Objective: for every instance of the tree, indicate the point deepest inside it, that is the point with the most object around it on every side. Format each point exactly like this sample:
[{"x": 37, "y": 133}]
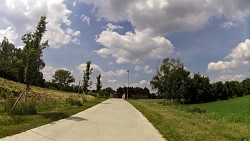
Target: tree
[
  {"x": 107, "y": 91},
  {"x": 63, "y": 77},
  {"x": 200, "y": 89},
  {"x": 9, "y": 56},
  {"x": 32, "y": 53},
  {"x": 98, "y": 83},
  {"x": 86, "y": 77},
  {"x": 246, "y": 86},
  {"x": 221, "y": 90},
  {"x": 170, "y": 79}
]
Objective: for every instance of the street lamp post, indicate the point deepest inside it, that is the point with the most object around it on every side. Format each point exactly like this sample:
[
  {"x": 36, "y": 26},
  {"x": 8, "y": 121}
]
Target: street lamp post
[{"x": 128, "y": 83}]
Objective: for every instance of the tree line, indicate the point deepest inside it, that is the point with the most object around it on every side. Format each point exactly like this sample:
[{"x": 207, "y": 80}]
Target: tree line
[
  {"x": 173, "y": 81},
  {"x": 133, "y": 92}
]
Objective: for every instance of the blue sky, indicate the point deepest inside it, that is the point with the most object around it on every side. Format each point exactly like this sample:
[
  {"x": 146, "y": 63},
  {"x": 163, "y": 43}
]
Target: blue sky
[{"x": 211, "y": 37}]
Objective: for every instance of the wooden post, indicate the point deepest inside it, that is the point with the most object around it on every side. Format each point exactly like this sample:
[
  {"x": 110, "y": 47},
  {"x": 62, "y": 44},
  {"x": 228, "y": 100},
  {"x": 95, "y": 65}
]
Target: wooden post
[{"x": 18, "y": 99}]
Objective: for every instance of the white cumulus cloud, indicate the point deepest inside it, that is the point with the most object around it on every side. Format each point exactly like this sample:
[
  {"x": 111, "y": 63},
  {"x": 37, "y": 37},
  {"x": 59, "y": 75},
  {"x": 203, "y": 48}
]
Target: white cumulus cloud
[
  {"x": 165, "y": 16},
  {"x": 239, "y": 56},
  {"x": 22, "y": 16},
  {"x": 133, "y": 47},
  {"x": 9, "y": 33}
]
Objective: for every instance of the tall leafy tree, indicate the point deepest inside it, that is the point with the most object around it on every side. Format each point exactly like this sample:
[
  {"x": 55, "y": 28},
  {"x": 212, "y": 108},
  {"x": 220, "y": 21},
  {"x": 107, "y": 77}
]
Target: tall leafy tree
[
  {"x": 200, "y": 89},
  {"x": 63, "y": 77},
  {"x": 98, "y": 83},
  {"x": 7, "y": 50},
  {"x": 32, "y": 53},
  {"x": 170, "y": 79},
  {"x": 9, "y": 56},
  {"x": 246, "y": 86},
  {"x": 86, "y": 76}
]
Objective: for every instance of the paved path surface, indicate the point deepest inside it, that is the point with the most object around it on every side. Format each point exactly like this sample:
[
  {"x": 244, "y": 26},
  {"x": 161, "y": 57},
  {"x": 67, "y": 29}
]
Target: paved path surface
[{"x": 111, "y": 120}]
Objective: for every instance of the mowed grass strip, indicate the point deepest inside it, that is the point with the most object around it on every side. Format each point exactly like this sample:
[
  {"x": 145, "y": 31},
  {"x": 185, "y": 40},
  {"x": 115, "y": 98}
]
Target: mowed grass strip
[{"x": 175, "y": 124}]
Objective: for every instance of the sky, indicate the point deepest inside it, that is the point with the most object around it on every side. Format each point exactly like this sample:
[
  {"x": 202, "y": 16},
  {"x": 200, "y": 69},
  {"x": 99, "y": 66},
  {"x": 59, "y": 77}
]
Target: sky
[{"x": 211, "y": 37}]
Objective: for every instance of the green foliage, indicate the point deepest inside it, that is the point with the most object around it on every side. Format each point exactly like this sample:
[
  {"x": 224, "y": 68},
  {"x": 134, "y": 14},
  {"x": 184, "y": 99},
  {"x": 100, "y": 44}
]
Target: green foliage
[
  {"x": 134, "y": 92},
  {"x": 106, "y": 92},
  {"x": 9, "y": 56},
  {"x": 86, "y": 76},
  {"x": 8, "y": 104},
  {"x": 195, "y": 109},
  {"x": 246, "y": 86},
  {"x": 173, "y": 82},
  {"x": 63, "y": 78},
  {"x": 171, "y": 79},
  {"x": 98, "y": 83},
  {"x": 32, "y": 53},
  {"x": 73, "y": 102}
]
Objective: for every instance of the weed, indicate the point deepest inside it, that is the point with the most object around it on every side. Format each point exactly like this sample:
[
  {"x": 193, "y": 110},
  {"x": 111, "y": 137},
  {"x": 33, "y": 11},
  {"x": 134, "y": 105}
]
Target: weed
[
  {"x": 8, "y": 104},
  {"x": 196, "y": 110},
  {"x": 84, "y": 99},
  {"x": 166, "y": 102},
  {"x": 73, "y": 102}
]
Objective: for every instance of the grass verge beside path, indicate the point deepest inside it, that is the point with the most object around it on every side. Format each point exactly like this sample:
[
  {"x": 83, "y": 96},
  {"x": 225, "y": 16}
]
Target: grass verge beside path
[
  {"x": 175, "y": 124},
  {"x": 48, "y": 111}
]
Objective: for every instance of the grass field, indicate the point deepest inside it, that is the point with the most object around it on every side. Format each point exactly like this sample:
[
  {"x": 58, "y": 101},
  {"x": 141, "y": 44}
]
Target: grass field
[
  {"x": 233, "y": 110},
  {"x": 223, "y": 120},
  {"x": 50, "y": 104}
]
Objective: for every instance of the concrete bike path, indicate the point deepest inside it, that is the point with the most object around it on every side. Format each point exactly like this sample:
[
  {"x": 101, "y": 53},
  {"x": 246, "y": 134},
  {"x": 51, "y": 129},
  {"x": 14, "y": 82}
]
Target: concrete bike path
[{"x": 111, "y": 120}]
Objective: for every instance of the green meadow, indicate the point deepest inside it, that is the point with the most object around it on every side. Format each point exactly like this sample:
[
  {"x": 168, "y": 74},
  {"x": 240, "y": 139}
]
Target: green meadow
[{"x": 221, "y": 120}]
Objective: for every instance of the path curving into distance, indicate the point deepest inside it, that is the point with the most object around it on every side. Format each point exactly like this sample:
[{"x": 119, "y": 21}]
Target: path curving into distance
[{"x": 111, "y": 120}]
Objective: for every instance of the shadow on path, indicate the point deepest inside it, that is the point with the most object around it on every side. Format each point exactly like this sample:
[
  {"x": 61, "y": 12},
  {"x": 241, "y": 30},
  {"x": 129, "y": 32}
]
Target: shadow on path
[{"x": 76, "y": 119}]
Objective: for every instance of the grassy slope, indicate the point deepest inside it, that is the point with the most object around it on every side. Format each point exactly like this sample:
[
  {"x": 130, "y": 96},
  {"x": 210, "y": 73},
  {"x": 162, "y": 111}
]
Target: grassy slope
[
  {"x": 175, "y": 123},
  {"x": 51, "y": 106}
]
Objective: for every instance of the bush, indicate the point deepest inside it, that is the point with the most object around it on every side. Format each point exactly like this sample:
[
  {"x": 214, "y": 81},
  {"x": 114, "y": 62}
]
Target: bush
[
  {"x": 196, "y": 110},
  {"x": 73, "y": 102},
  {"x": 21, "y": 108}
]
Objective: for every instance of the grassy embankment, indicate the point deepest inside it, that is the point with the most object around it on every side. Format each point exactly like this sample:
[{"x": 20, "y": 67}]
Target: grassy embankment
[
  {"x": 223, "y": 120},
  {"x": 50, "y": 104}
]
